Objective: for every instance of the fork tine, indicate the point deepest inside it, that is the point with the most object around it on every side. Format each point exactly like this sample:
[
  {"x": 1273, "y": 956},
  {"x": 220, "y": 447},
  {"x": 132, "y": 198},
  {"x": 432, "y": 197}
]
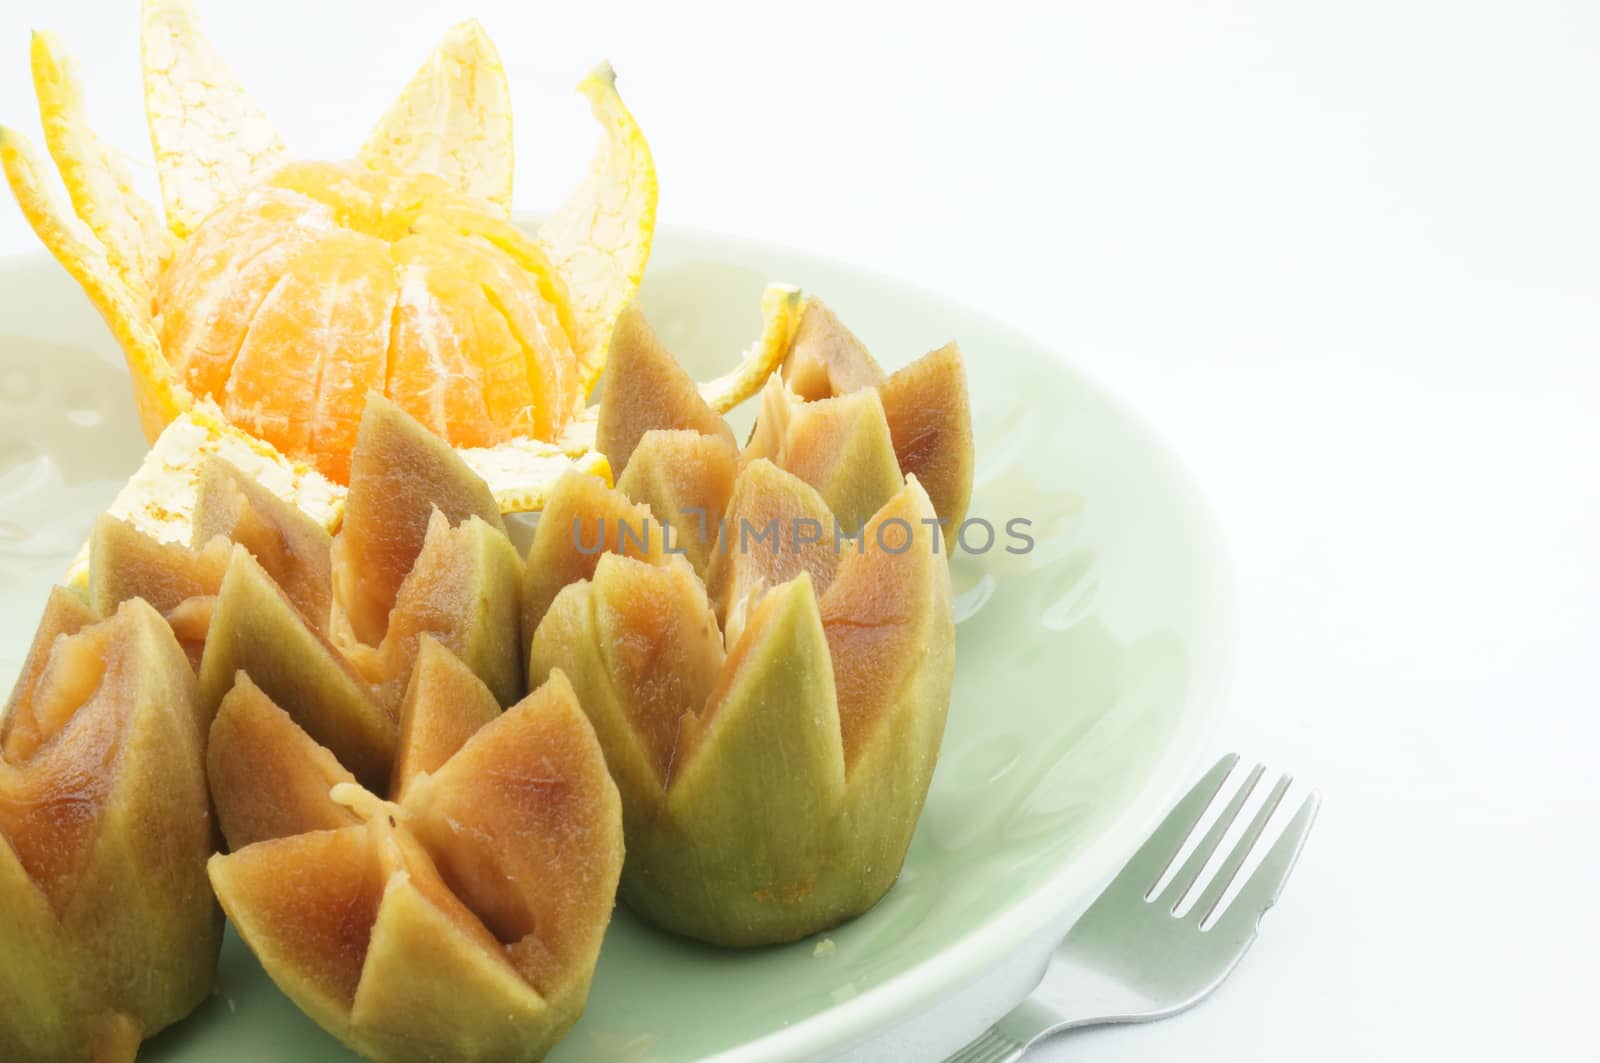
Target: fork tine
[
  {"x": 1186, "y": 878},
  {"x": 1240, "y": 918},
  {"x": 1145, "y": 868},
  {"x": 1224, "y": 877}
]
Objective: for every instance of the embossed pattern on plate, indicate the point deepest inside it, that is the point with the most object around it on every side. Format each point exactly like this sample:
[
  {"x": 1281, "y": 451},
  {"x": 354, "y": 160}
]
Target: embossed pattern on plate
[{"x": 1089, "y": 669}]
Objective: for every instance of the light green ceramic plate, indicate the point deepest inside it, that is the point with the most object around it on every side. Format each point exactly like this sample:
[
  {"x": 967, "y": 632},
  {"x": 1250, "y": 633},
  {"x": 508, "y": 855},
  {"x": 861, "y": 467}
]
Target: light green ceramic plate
[{"x": 1089, "y": 672}]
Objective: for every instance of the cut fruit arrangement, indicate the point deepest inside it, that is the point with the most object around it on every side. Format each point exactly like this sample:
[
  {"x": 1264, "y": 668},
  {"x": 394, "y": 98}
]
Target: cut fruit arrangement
[
  {"x": 330, "y": 670},
  {"x": 303, "y": 614},
  {"x": 770, "y": 701}
]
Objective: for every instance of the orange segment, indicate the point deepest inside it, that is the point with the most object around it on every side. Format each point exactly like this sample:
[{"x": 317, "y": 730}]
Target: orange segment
[
  {"x": 433, "y": 374},
  {"x": 534, "y": 328},
  {"x": 600, "y": 237},
  {"x": 330, "y": 280},
  {"x": 318, "y": 342},
  {"x": 218, "y": 280}
]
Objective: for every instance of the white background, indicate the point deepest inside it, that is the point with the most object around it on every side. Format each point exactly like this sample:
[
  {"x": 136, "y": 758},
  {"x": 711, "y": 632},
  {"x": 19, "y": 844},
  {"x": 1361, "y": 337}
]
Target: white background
[{"x": 1345, "y": 256}]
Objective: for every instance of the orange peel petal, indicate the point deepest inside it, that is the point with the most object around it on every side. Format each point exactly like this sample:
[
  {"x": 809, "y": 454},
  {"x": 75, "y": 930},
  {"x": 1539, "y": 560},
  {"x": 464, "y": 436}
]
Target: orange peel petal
[
  {"x": 211, "y": 140},
  {"x": 77, "y": 248},
  {"x": 96, "y": 176},
  {"x": 599, "y": 239},
  {"x": 453, "y": 119},
  {"x": 781, "y": 307}
]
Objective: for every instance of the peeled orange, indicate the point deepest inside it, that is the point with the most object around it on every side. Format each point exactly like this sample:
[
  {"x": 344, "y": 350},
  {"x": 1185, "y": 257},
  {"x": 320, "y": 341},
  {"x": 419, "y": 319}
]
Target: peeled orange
[{"x": 279, "y": 294}]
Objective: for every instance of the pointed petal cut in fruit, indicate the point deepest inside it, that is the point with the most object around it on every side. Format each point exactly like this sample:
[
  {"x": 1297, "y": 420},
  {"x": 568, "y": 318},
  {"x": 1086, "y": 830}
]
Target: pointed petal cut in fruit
[
  {"x": 179, "y": 582},
  {"x": 268, "y": 778},
  {"x": 524, "y": 824},
  {"x": 306, "y": 905},
  {"x": 158, "y": 395},
  {"x": 452, "y": 119},
  {"x": 599, "y": 238},
  {"x": 462, "y": 923},
  {"x": 826, "y": 359},
  {"x": 432, "y": 990},
  {"x": 776, "y": 526},
  {"x": 584, "y": 520},
  {"x": 126, "y": 563},
  {"x": 104, "y": 832},
  {"x": 258, "y": 630},
  {"x": 59, "y": 763},
  {"x": 64, "y": 614},
  {"x": 445, "y": 704},
  {"x": 750, "y": 739},
  {"x": 760, "y": 773},
  {"x": 96, "y": 175},
  {"x": 399, "y": 472},
  {"x": 891, "y": 635},
  {"x": 464, "y": 592},
  {"x": 685, "y": 478},
  {"x": 841, "y": 446},
  {"x": 781, "y": 306},
  {"x": 295, "y": 550},
  {"x": 930, "y": 418},
  {"x": 660, "y": 645},
  {"x": 211, "y": 141},
  {"x": 568, "y": 640},
  {"x": 647, "y": 389}
]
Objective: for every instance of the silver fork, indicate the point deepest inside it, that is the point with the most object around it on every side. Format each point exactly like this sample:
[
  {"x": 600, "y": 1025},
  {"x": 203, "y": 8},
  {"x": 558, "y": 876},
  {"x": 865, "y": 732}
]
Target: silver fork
[{"x": 1130, "y": 958}]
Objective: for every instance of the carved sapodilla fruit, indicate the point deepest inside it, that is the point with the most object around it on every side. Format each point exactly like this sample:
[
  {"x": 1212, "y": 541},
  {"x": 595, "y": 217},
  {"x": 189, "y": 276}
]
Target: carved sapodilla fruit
[
  {"x": 109, "y": 931},
  {"x": 461, "y": 923},
  {"x": 182, "y": 582},
  {"x": 583, "y": 520},
  {"x": 769, "y": 791},
  {"x": 832, "y": 418},
  {"x": 421, "y": 553},
  {"x": 841, "y": 446},
  {"x": 685, "y": 479},
  {"x": 925, "y": 403}
]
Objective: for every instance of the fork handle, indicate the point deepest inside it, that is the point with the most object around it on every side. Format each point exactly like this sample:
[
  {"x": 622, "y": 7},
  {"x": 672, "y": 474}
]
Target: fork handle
[
  {"x": 1068, "y": 996},
  {"x": 1030, "y": 1021},
  {"x": 1014, "y": 1034}
]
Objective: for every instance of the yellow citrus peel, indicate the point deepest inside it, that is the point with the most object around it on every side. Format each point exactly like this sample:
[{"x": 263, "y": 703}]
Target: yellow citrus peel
[
  {"x": 211, "y": 140},
  {"x": 781, "y": 306},
  {"x": 599, "y": 239},
  {"x": 77, "y": 248},
  {"x": 159, "y": 498},
  {"x": 96, "y": 176},
  {"x": 230, "y": 302},
  {"x": 453, "y": 120}
]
